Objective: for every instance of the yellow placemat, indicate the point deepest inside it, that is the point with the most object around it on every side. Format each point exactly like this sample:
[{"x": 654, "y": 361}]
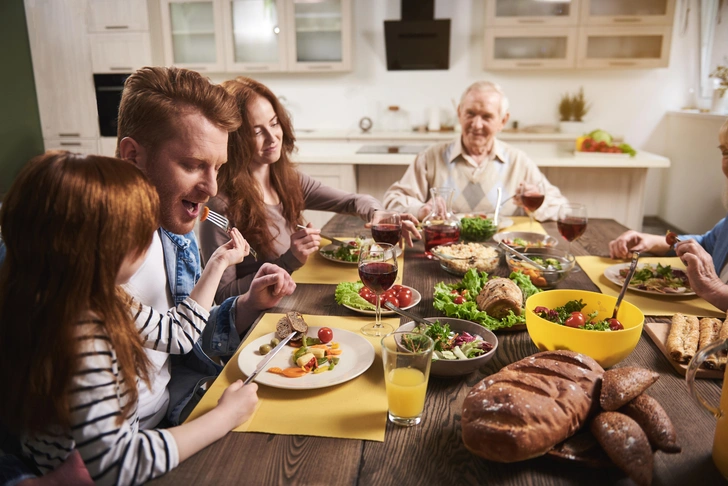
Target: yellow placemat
[
  {"x": 522, "y": 223},
  {"x": 650, "y": 305},
  {"x": 356, "y": 409},
  {"x": 319, "y": 270}
]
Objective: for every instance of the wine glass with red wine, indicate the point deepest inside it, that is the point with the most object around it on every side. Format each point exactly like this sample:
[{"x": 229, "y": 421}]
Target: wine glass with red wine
[
  {"x": 386, "y": 227},
  {"x": 377, "y": 271},
  {"x": 532, "y": 196},
  {"x": 572, "y": 221}
]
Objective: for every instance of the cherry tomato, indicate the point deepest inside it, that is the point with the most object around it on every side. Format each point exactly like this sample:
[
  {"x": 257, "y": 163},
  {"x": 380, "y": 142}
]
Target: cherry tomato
[
  {"x": 614, "y": 324},
  {"x": 405, "y": 297},
  {"x": 576, "y": 319},
  {"x": 454, "y": 291},
  {"x": 368, "y": 295},
  {"x": 325, "y": 334},
  {"x": 389, "y": 293},
  {"x": 390, "y": 298},
  {"x": 397, "y": 287},
  {"x": 459, "y": 299}
]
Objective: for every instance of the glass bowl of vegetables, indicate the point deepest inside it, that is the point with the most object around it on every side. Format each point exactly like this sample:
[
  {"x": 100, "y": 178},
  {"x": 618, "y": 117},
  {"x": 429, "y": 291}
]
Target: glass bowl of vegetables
[
  {"x": 581, "y": 321},
  {"x": 477, "y": 227},
  {"x": 461, "y": 346},
  {"x": 558, "y": 264}
]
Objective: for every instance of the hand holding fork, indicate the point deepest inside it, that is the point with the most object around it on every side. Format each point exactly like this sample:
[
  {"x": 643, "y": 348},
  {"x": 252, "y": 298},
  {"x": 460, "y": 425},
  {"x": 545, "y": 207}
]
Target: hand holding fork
[{"x": 221, "y": 222}]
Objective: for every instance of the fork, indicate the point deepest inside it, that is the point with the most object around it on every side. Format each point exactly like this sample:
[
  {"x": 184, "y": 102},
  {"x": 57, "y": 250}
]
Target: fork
[{"x": 222, "y": 222}]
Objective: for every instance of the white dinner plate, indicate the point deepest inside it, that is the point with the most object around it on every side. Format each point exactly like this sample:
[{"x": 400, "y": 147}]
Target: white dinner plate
[
  {"x": 612, "y": 274},
  {"x": 502, "y": 224},
  {"x": 356, "y": 357},
  {"x": 416, "y": 297},
  {"x": 333, "y": 247}
]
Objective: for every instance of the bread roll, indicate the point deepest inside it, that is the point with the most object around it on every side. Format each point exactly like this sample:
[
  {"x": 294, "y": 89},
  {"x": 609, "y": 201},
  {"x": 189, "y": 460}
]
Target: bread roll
[
  {"x": 653, "y": 419},
  {"x": 620, "y": 385},
  {"x": 292, "y": 321},
  {"x": 626, "y": 444},
  {"x": 530, "y": 405},
  {"x": 499, "y": 296},
  {"x": 682, "y": 341},
  {"x": 709, "y": 334}
]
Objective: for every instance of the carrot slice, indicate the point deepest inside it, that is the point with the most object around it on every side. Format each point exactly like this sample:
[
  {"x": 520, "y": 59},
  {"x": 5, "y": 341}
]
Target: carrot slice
[
  {"x": 335, "y": 352},
  {"x": 276, "y": 370},
  {"x": 204, "y": 214},
  {"x": 294, "y": 372}
]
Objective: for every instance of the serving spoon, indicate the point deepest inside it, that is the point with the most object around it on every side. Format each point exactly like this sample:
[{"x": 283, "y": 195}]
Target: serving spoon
[
  {"x": 628, "y": 278},
  {"x": 523, "y": 257},
  {"x": 406, "y": 314}
]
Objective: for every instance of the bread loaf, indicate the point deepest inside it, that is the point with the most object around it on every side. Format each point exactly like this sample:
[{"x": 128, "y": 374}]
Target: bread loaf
[
  {"x": 499, "y": 296},
  {"x": 530, "y": 405}
]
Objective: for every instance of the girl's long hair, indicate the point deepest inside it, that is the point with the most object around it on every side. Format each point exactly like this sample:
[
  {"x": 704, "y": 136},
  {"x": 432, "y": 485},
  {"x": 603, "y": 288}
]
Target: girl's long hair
[
  {"x": 246, "y": 208},
  {"x": 68, "y": 223}
]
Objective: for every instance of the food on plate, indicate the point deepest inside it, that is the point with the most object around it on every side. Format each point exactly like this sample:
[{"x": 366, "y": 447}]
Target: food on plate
[
  {"x": 601, "y": 141},
  {"x": 499, "y": 297},
  {"x": 204, "y": 213},
  {"x": 682, "y": 342},
  {"x": 292, "y": 321},
  {"x": 529, "y": 406},
  {"x": 661, "y": 279},
  {"x": 653, "y": 419},
  {"x": 459, "y": 299},
  {"x": 520, "y": 242},
  {"x": 449, "y": 345},
  {"x": 265, "y": 349},
  {"x": 570, "y": 315},
  {"x": 460, "y": 257},
  {"x": 345, "y": 253},
  {"x": 477, "y": 227},
  {"x": 626, "y": 444},
  {"x": 358, "y": 296},
  {"x": 620, "y": 385},
  {"x": 314, "y": 356},
  {"x": 325, "y": 335}
]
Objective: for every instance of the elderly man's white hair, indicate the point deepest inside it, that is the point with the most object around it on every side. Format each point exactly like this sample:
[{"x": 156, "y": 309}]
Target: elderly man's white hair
[{"x": 488, "y": 86}]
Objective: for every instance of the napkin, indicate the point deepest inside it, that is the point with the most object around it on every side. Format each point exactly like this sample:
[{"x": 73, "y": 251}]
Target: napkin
[
  {"x": 356, "y": 409},
  {"x": 522, "y": 223},
  {"x": 319, "y": 270},
  {"x": 650, "y": 305}
]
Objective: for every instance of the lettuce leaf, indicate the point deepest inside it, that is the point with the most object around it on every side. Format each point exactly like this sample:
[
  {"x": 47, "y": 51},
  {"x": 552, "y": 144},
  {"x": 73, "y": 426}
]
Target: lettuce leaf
[{"x": 348, "y": 293}]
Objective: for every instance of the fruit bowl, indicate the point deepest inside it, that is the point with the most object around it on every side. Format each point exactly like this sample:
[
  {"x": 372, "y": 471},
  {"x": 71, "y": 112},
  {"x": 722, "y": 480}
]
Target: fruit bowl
[{"x": 606, "y": 347}]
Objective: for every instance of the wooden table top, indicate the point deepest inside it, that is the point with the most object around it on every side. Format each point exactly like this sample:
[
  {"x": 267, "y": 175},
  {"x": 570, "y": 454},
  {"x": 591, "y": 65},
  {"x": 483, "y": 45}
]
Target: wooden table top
[{"x": 433, "y": 452}]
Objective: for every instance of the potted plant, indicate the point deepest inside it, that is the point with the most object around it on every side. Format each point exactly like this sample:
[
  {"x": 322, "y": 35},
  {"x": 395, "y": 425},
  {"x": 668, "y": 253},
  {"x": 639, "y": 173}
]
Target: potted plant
[
  {"x": 572, "y": 110},
  {"x": 720, "y": 99}
]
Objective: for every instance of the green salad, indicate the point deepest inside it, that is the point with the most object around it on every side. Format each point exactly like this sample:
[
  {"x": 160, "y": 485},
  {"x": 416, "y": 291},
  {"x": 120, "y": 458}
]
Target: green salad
[
  {"x": 345, "y": 253},
  {"x": 477, "y": 228},
  {"x": 449, "y": 345},
  {"x": 458, "y": 299}
]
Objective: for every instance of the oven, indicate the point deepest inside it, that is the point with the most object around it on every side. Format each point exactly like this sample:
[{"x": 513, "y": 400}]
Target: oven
[{"x": 108, "y": 95}]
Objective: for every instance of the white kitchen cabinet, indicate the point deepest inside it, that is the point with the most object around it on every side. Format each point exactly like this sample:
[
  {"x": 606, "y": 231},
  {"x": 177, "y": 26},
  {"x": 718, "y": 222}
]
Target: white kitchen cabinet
[
  {"x": 255, "y": 35},
  {"x": 339, "y": 176},
  {"x": 86, "y": 147},
  {"x": 532, "y": 48},
  {"x": 627, "y": 12},
  {"x": 531, "y": 13},
  {"x": 624, "y": 47},
  {"x": 62, "y": 69},
  {"x": 117, "y": 16},
  {"x": 120, "y": 53},
  {"x": 192, "y": 32},
  {"x": 319, "y": 35},
  {"x": 107, "y": 146}
]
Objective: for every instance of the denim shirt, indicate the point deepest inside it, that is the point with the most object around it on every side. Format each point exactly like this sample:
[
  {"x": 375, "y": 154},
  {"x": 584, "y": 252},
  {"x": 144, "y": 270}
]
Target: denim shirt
[
  {"x": 714, "y": 242},
  {"x": 219, "y": 338}
]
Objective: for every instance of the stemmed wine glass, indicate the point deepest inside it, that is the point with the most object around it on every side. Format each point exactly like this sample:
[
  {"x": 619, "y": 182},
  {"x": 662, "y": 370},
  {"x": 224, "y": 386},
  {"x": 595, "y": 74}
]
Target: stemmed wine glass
[
  {"x": 387, "y": 227},
  {"x": 532, "y": 196},
  {"x": 377, "y": 271},
  {"x": 572, "y": 221}
]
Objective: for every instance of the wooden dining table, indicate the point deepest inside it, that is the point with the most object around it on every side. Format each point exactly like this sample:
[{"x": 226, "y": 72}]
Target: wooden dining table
[{"x": 433, "y": 452}]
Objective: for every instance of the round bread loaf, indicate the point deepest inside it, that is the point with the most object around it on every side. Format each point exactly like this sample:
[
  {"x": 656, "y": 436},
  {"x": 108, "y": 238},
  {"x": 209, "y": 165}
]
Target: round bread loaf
[{"x": 531, "y": 405}]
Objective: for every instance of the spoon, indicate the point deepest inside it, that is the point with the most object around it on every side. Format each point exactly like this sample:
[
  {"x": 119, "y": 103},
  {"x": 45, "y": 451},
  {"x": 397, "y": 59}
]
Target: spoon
[
  {"x": 497, "y": 207},
  {"x": 406, "y": 314},
  {"x": 523, "y": 257},
  {"x": 632, "y": 268}
]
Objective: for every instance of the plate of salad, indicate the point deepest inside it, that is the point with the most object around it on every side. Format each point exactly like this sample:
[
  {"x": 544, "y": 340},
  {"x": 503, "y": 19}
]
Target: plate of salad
[
  {"x": 652, "y": 279},
  {"x": 458, "y": 300},
  {"x": 348, "y": 253},
  {"x": 357, "y": 297}
]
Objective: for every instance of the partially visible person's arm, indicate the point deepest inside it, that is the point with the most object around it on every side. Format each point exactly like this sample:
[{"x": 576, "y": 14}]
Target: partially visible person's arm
[
  {"x": 549, "y": 210},
  {"x": 631, "y": 240},
  {"x": 702, "y": 275},
  {"x": 321, "y": 197},
  {"x": 270, "y": 285},
  {"x": 412, "y": 191}
]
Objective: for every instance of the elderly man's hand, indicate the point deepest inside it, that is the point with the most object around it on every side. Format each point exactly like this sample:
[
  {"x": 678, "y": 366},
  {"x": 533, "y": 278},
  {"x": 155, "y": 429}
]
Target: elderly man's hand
[
  {"x": 700, "y": 269},
  {"x": 409, "y": 228}
]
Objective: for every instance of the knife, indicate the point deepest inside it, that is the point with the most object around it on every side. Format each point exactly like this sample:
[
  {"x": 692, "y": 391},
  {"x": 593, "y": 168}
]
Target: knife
[
  {"x": 269, "y": 357},
  {"x": 333, "y": 240}
]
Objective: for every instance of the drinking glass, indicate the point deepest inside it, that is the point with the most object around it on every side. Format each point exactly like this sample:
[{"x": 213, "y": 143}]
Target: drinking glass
[
  {"x": 407, "y": 357},
  {"x": 377, "y": 271},
  {"x": 386, "y": 227},
  {"x": 532, "y": 196},
  {"x": 572, "y": 221}
]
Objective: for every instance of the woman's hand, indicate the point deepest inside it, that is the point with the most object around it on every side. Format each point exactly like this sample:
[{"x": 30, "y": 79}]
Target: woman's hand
[
  {"x": 305, "y": 242},
  {"x": 232, "y": 252},
  {"x": 629, "y": 241},
  {"x": 237, "y": 403}
]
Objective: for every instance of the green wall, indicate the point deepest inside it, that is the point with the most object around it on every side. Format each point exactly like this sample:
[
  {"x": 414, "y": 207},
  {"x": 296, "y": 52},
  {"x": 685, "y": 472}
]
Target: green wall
[{"x": 20, "y": 133}]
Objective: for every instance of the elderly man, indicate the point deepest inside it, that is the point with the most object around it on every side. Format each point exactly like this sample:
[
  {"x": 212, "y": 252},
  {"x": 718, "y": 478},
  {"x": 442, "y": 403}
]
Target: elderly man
[{"x": 475, "y": 165}]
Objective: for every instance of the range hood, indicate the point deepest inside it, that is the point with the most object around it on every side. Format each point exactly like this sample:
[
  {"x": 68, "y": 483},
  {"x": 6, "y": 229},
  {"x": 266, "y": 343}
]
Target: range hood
[{"x": 418, "y": 41}]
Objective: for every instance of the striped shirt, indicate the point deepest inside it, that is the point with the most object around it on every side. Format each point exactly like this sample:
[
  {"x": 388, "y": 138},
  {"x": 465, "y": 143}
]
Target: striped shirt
[{"x": 116, "y": 453}]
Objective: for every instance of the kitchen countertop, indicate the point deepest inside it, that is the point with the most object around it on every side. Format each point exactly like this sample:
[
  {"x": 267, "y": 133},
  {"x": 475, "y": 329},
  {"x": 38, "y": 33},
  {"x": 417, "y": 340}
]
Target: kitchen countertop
[{"x": 357, "y": 135}]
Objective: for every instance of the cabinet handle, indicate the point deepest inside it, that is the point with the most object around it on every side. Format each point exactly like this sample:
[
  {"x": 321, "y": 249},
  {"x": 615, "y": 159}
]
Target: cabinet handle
[
  {"x": 319, "y": 67},
  {"x": 116, "y": 27},
  {"x": 530, "y": 21},
  {"x": 529, "y": 64},
  {"x": 115, "y": 68},
  {"x": 622, "y": 63},
  {"x": 70, "y": 144},
  {"x": 627, "y": 20},
  {"x": 69, "y": 134}
]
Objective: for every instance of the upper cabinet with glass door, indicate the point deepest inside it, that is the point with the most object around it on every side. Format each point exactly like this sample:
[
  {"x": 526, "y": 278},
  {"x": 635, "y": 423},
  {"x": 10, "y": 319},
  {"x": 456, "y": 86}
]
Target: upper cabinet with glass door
[
  {"x": 319, "y": 37},
  {"x": 193, "y": 34},
  {"x": 255, "y": 35},
  {"x": 531, "y": 48},
  {"x": 627, "y": 12},
  {"x": 537, "y": 13}
]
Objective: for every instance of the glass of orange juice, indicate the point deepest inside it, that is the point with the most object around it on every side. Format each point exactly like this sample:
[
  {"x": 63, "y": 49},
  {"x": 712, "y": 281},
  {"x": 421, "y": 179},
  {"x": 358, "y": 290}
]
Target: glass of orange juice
[
  {"x": 720, "y": 442},
  {"x": 407, "y": 357}
]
